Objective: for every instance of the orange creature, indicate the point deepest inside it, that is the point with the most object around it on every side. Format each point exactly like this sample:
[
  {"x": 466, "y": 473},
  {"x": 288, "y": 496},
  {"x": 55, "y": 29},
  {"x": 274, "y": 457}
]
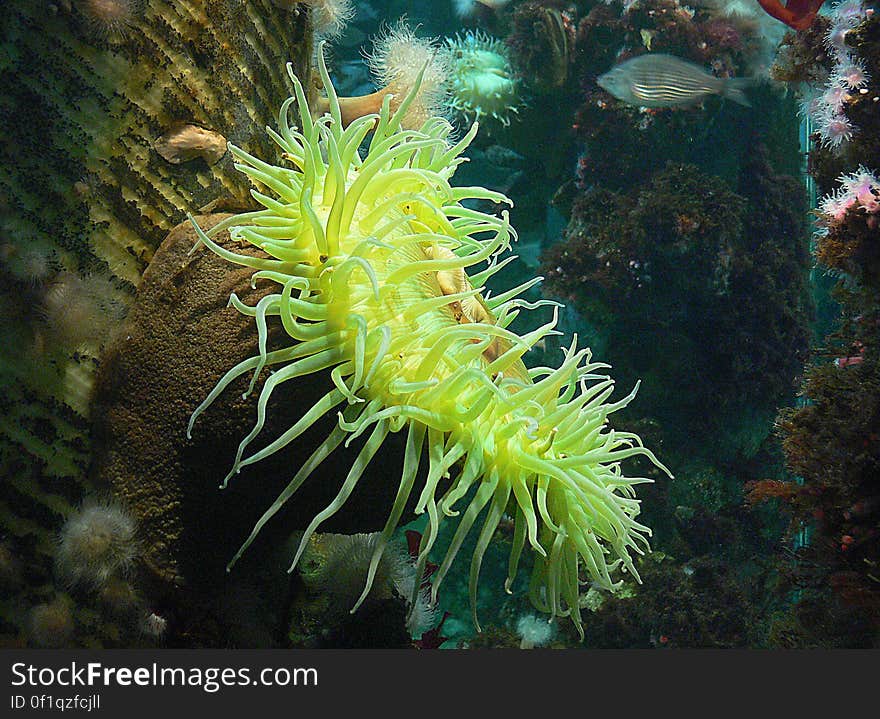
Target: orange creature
[{"x": 797, "y": 14}]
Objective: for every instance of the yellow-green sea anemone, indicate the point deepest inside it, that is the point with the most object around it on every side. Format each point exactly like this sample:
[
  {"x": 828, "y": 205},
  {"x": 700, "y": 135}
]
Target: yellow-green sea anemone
[
  {"x": 483, "y": 84},
  {"x": 370, "y": 255}
]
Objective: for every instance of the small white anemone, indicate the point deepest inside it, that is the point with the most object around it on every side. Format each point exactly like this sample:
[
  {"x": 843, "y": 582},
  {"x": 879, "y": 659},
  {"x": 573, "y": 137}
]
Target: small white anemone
[
  {"x": 835, "y": 96},
  {"x": 851, "y": 73},
  {"x": 848, "y": 13},
  {"x": 397, "y": 59},
  {"x": 329, "y": 17},
  {"x": 534, "y": 631},
  {"x": 864, "y": 187},
  {"x": 97, "y": 543},
  {"x": 483, "y": 82},
  {"x": 835, "y": 129}
]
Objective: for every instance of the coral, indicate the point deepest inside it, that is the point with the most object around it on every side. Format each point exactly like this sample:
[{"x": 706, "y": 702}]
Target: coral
[
  {"x": 483, "y": 84},
  {"x": 96, "y": 544},
  {"x": 628, "y": 259},
  {"x": 361, "y": 242},
  {"x": 698, "y": 604},
  {"x": 83, "y": 194}
]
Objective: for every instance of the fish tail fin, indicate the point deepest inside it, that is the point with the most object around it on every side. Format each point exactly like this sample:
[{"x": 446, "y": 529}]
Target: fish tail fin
[{"x": 734, "y": 89}]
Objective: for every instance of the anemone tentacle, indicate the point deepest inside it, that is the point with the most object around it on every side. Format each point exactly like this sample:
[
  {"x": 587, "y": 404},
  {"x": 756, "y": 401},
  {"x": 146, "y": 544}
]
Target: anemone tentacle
[{"x": 371, "y": 254}]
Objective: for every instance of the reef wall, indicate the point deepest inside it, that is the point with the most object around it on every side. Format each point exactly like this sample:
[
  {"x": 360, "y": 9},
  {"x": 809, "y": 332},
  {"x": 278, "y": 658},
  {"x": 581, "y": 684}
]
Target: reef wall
[{"x": 114, "y": 117}]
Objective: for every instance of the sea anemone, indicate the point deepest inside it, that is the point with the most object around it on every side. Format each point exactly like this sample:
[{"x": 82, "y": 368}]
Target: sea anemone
[
  {"x": 534, "y": 631},
  {"x": 483, "y": 83},
  {"x": 110, "y": 18},
  {"x": 835, "y": 129},
  {"x": 119, "y": 596},
  {"x": 29, "y": 263},
  {"x": 79, "y": 311},
  {"x": 154, "y": 625},
  {"x": 861, "y": 187},
  {"x": 97, "y": 543},
  {"x": 834, "y": 98},
  {"x": 329, "y": 17},
  {"x": 848, "y": 13},
  {"x": 399, "y": 62},
  {"x": 833, "y": 207},
  {"x": 51, "y": 625},
  {"x": 812, "y": 105},
  {"x": 370, "y": 255},
  {"x": 835, "y": 39},
  {"x": 850, "y": 73},
  {"x": 338, "y": 564}
]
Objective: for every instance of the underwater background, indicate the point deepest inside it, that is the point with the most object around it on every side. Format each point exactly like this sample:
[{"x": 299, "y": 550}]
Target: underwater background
[{"x": 723, "y": 257}]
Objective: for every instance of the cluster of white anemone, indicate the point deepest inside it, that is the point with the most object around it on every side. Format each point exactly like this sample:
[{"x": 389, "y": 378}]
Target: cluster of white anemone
[
  {"x": 848, "y": 76},
  {"x": 469, "y": 76},
  {"x": 860, "y": 189}
]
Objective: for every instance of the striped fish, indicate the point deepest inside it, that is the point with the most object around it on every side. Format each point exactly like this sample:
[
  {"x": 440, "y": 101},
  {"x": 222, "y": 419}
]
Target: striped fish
[{"x": 658, "y": 80}]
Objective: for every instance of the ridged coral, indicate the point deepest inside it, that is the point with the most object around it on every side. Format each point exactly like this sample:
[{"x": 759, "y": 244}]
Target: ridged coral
[
  {"x": 371, "y": 254},
  {"x": 87, "y": 200}
]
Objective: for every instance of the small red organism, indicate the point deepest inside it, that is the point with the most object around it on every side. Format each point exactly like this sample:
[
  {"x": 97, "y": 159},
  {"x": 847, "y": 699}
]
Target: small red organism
[
  {"x": 762, "y": 490},
  {"x": 432, "y": 639},
  {"x": 413, "y": 539},
  {"x": 797, "y": 14}
]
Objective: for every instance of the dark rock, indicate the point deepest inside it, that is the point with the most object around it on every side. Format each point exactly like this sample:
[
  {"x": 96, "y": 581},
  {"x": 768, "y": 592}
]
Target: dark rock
[{"x": 179, "y": 339}]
